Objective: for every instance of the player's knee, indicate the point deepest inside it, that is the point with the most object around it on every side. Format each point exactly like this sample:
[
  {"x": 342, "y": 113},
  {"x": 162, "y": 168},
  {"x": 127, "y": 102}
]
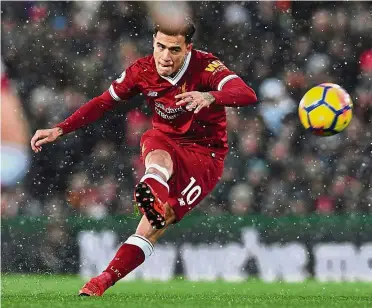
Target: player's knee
[
  {"x": 159, "y": 157},
  {"x": 159, "y": 160}
]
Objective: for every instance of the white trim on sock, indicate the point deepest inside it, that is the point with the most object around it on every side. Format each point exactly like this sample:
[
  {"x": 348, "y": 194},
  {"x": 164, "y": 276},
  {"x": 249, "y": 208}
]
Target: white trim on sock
[
  {"x": 155, "y": 177},
  {"x": 141, "y": 242},
  {"x": 161, "y": 169}
]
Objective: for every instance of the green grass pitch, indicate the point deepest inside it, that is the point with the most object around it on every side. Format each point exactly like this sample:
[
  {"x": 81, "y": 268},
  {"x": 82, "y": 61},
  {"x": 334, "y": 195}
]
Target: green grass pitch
[{"x": 55, "y": 291}]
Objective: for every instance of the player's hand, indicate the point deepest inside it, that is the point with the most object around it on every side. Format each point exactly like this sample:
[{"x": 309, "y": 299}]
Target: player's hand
[
  {"x": 43, "y": 136},
  {"x": 195, "y": 100}
]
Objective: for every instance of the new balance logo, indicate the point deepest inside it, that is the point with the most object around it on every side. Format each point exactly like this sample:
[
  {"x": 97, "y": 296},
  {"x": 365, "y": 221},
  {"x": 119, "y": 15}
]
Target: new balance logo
[
  {"x": 152, "y": 94},
  {"x": 181, "y": 201}
]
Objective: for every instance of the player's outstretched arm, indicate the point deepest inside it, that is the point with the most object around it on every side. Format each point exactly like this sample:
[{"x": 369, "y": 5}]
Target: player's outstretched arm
[
  {"x": 120, "y": 90},
  {"x": 43, "y": 136},
  {"x": 86, "y": 114}
]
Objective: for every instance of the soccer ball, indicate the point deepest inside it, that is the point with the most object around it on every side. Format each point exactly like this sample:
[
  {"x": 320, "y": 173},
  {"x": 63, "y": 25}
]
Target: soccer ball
[{"x": 326, "y": 109}]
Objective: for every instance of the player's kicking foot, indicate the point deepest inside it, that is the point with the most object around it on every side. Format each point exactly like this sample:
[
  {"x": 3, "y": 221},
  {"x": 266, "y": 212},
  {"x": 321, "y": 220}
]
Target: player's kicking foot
[
  {"x": 150, "y": 205},
  {"x": 97, "y": 285}
]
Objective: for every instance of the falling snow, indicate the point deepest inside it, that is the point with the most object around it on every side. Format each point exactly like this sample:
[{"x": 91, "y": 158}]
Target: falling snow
[{"x": 58, "y": 55}]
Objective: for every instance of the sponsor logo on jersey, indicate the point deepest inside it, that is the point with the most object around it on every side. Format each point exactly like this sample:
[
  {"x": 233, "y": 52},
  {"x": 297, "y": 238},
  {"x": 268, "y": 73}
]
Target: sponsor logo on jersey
[
  {"x": 214, "y": 65},
  {"x": 168, "y": 113}
]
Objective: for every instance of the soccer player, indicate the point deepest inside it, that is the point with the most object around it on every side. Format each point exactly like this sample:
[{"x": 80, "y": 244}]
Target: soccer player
[{"x": 183, "y": 153}]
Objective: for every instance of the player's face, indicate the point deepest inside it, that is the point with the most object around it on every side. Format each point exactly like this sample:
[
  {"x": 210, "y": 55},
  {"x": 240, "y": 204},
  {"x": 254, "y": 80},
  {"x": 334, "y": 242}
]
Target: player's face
[{"x": 169, "y": 53}]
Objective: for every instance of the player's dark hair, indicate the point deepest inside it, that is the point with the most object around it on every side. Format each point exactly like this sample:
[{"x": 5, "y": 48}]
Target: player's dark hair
[{"x": 187, "y": 29}]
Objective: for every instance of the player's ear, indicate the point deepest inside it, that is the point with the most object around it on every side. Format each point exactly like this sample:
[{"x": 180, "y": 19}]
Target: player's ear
[
  {"x": 189, "y": 47},
  {"x": 153, "y": 40}
]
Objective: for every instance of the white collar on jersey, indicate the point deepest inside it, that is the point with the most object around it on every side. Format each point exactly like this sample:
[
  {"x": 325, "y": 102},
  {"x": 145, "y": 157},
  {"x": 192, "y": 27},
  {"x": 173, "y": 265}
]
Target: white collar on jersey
[{"x": 173, "y": 81}]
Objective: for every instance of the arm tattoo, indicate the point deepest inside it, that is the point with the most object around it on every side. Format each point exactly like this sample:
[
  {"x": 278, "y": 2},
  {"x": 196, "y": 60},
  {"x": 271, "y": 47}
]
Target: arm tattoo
[{"x": 208, "y": 97}]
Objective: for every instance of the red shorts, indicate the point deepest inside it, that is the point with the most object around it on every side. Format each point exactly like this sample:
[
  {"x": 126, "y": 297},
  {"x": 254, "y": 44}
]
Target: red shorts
[{"x": 194, "y": 174}]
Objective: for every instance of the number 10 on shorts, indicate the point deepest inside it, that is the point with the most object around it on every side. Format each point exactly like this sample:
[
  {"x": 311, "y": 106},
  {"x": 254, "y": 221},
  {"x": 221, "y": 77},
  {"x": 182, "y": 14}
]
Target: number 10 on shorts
[{"x": 192, "y": 192}]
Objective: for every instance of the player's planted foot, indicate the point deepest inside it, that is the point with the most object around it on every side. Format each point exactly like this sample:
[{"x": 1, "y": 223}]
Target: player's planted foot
[
  {"x": 97, "y": 285},
  {"x": 150, "y": 205}
]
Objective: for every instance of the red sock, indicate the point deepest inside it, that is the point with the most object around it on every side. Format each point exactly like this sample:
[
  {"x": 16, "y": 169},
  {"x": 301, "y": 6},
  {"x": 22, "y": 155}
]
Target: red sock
[
  {"x": 158, "y": 185},
  {"x": 129, "y": 256}
]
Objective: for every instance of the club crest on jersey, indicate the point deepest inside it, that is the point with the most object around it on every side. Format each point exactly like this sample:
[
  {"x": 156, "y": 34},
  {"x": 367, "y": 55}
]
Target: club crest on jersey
[
  {"x": 183, "y": 88},
  {"x": 152, "y": 94}
]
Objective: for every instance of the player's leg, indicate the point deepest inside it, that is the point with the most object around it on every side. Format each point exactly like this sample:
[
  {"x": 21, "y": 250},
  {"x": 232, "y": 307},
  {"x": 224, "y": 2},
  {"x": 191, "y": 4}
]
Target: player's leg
[
  {"x": 152, "y": 192},
  {"x": 136, "y": 249},
  {"x": 146, "y": 230}
]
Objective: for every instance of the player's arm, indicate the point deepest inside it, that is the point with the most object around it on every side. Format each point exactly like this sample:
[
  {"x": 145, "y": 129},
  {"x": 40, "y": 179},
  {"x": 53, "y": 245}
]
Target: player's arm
[
  {"x": 228, "y": 90},
  {"x": 120, "y": 90},
  {"x": 233, "y": 93}
]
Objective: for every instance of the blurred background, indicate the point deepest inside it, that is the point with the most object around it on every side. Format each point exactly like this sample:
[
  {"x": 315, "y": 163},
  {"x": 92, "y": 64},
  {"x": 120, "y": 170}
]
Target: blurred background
[{"x": 58, "y": 55}]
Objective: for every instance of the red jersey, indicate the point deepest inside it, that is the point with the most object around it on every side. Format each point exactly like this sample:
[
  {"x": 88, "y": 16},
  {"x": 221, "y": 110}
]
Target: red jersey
[{"x": 202, "y": 72}]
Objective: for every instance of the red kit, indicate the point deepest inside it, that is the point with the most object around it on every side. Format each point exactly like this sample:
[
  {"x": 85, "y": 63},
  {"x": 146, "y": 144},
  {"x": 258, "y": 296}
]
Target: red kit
[{"x": 196, "y": 142}]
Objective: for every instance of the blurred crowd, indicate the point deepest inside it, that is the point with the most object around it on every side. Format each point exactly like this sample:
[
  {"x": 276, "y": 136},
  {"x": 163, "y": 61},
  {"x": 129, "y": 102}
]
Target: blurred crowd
[{"x": 58, "y": 55}]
